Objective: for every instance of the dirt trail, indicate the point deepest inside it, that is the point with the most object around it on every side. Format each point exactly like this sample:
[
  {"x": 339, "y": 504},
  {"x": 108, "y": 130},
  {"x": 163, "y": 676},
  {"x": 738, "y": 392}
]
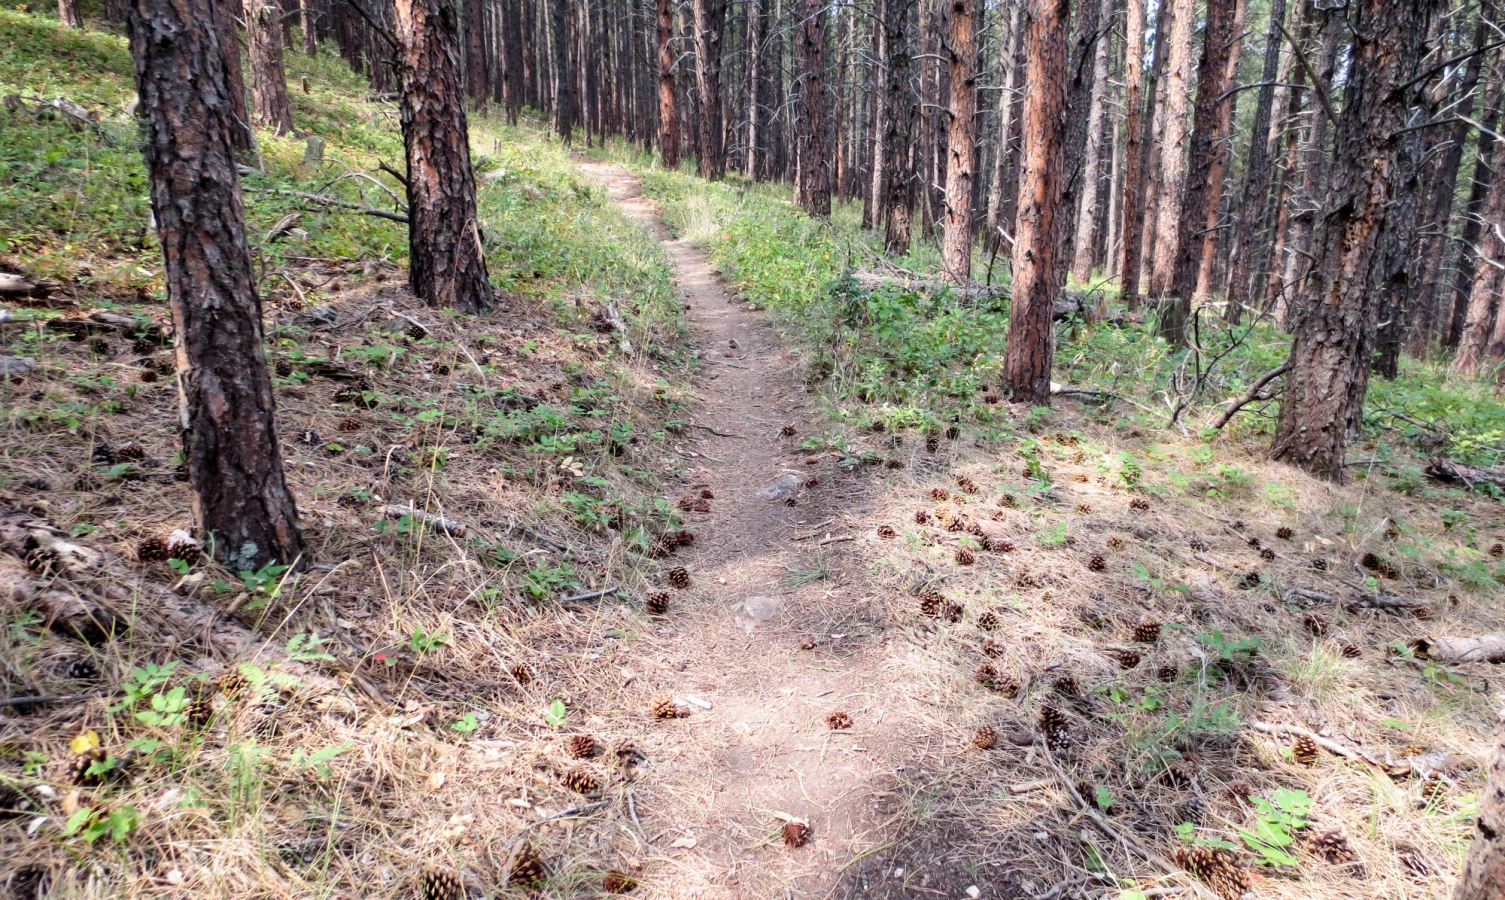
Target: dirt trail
[{"x": 764, "y": 747}]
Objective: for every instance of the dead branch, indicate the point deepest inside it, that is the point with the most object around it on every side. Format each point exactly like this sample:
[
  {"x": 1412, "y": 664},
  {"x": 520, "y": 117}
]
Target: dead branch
[
  {"x": 1487, "y": 648},
  {"x": 1254, "y": 394},
  {"x": 591, "y": 595},
  {"x": 332, "y": 202},
  {"x": 1329, "y": 745},
  {"x": 450, "y": 527},
  {"x": 1447, "y": 470}
]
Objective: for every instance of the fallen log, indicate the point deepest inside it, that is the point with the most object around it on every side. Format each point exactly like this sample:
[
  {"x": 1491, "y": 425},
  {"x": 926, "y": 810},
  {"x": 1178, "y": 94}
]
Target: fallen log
[
  {"x": 1486, "y": 648},
  {"x": 12, "y": 285},
  {"x": 1451, "y": 472}
]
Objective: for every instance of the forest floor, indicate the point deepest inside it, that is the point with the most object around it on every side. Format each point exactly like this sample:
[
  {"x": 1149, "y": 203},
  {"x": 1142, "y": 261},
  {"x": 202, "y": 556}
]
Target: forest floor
[{"x": 642, "y": 417}]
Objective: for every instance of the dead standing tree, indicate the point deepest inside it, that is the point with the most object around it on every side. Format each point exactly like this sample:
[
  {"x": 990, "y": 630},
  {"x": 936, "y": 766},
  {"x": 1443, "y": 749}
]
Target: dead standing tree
[{"x": 229, "y": 437}]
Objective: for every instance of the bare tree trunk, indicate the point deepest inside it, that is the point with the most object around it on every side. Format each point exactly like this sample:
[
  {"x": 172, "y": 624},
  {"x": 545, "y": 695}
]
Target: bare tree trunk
[
  {"x": 269, "y": 99},
  {"x": 1479, "y": 190},
  {"x": 710, "y": 22},
  {"x": 1086, "y": 219},
  {"x": 230, "y": 445},
  {"x": 668, "y": 97},
  {"x": 1037, "y": 275},
  {"x": 961, "y": 139},
  {"x": 904, "y": 115},
  {"x": 1489, "y": 283},
  {"x": 1313, "y": 163},
  {"x": 754, "y": 77},
  {"x": 560, "y": 24},
  {"x": 1329, "y": 362},
  {"x": 476, "y": 75},
  {"x": 991, "y": 235},
  {"x": 67, "y": 10},
  {"x": 1136, "y": 153},
  {"x": 1483, "y": 876},
  {"x": 1248, "y": 216},
  {"x": 445, "y": 266},
  {"x": 815, "y": 168},
  {"x": 310, "y": 34},
  {"x": 241, "y": 136},
  {"x": 1203, "y": 198},
  {"x": 1172, "y": 176}
]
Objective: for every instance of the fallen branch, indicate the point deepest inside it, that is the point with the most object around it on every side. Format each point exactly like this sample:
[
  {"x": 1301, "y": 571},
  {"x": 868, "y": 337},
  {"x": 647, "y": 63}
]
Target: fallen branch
[
  {"x": 1329, "y": 745},
  {"x": 619, "y": 325},
  {"x": 1300, "y": 593},
  {"x": 1452, "y": 472},
  {"x": 1254, "y": 394},
  {"x": 712, "y": 430},
  {"x": 1486, "y": 648},
  {"x": 330, "y": 201},
  {"x": 591, "y": 595},
  {"x": 450, "y": 527},
  {"x": 836, "y": 540},
  {"x": 51, "y": 699}
]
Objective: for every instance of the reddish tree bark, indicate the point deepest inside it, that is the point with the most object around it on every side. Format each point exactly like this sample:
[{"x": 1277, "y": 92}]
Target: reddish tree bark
[
  {"x": 230, "y": 447},
  {"x": 1329, "y": 362},
  {"x": 1172, "y": 143},
  {"x": 477, "y": 65},
  {"x": 1249, "y": 219},
  {"x": 228, "y": 35},
  {"x": 1006, "y": 105},
  {"x": 1489, "y": 283},
  {"x": 815, "y": 163},
  {"x": 1483, "y": 876},
  {"x": 1037, "y": 229},
  {"x": 710, "y": 22},
  {"x": 270, "y": 105},
  {"x": 445, "y": 263},
  {"x": 668, "y": 97},
  {"x": 961, "y": 139},
  {"x": 904, "y": 115},
  {"x": 1483, "y": 179},
  {"x": 1086, "y": 215},
  {"x": 1136, "y": 154}
]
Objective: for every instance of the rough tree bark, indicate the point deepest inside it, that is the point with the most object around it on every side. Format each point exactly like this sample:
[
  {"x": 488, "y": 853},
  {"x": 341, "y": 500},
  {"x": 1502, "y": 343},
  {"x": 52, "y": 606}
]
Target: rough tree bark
[
  {"x": 1037, "y": 276},
  {"x": 668, "y": 97},
  {"x": 1483, "y": 179},
  {"x": 904, "y": 115},
  {"x": 227, "y": 412},
  {"x": 1212, "y": 121},
  {"x": 1248, "y": 215},
  {"x": 1086, "y": 32},
  {"x": 67, "y": 10},
  {"x": 446, "y": 266},
  {"x": 562, "y": 13},
  {"x": 1313, "y": 167},
  {"x": 1489, "y": 282},
  {"x": 1086, "y": 218},
  {"x": 710, "y": 22},
  {"x": 269, "y": 101},
  {"x": 815, "y": 169},
  {"x": 227, "y": 32},
  {"x": 1324, "y": 392},
  {"x": 961, "y": 139},
  {"x": 477, "y": 74},
  {"x": 991, "y": 234},
  {"x": 1136, "y": 153},
  {"x": 1172, "y": 175},
  {"x": 1483, "y": 876}
]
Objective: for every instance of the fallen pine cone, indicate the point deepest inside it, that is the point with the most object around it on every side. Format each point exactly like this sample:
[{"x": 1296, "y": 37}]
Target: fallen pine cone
[
  {"x": 838, "y": 720},
  {"x": 986, "y": 737},
  {"x": 796, "y": 834}
]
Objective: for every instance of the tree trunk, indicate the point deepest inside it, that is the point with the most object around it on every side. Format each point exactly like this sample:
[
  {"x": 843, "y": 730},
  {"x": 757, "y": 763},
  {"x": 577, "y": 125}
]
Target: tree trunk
[
  {"x": 269, "y": 100},
  {"x": 1489, "y": 283},
  {"x": 1313, "y": 164},
  {"x": 1086, "y": 32},
  {"x": 561, "y": 25},
  {"x": 1086, "y": 218},
  {"x": 67, "y": 10},
  {"x": 1479, "y": 190},
  {"x": 240, "y": 498},
  {"x": 904, "y": 113},
  {"x": 1173, "y": 137},
  {"x": 815, "y": 168},
  {"x": 1248, "y": 216},
  {"x": 1196, "y": 231},
  {"x": 446, "y": 266},
  {"x": 241, "y": 136},
  {"x": 1483, "y": 876},
  {"x": 1136, "y": 153},
  {"x": 477, "y": 78},
  {"x": 310, "y": 34},
  {"x": 668, "y": 97},
  {"x": 1037, "y": 229},
  {"x": 961, "y": 139},
  {"x": 1396, "y": 248},
  {"x": 754, "y": 78},
  {"x": 710, "y": 22},
  {"x": 992, "y": 237},
  {"x": 1329, "y": 375}
]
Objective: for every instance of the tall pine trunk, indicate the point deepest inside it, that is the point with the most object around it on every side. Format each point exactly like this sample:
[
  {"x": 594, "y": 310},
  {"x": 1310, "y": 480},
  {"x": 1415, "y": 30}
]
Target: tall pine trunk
[
  {"x": 1249, "y": 225},
  {"x": 1329, "y": 361},
  {"x": 668, "y": 96},
  {"x": 1488, "y": 285},
  {"x": 269, "y": 101},
  {"x": 961, "y": 139},
  {"x": 1136, "y": 153},
  {"x": 477, "y": 76},
  {"x": 1037, "y": 229},
  {"x": 815, "y": 164},
  {"x": 1479, "y": 191},
  {"x": 240, "y": 498},
  {"x": 710, "y": 22},
  {"x": 561, "y": 26},
  {"x": 992, "y": 236},
  {"x": 445, "y": 265},
  {"x": 1172, "y": 145},
  {"x": 67, "y": 10},
  {"x": 1483, "y": 875},
  {"x": 228, "y": 36},
  {"x": 904, "y": 115},
  {"x": 1086, "y": 217}
]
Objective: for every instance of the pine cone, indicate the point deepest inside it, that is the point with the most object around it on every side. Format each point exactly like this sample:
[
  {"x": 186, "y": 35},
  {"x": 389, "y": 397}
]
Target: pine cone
[
  {"x": 1434, "y": 789},
  {"x": 987, "y": 622},
  {"x": 997, "y": 545},
  {"x": 1216, "y": 867},
  {"x": 1067, "y": 686},
  {"x": 930, "y": 602},
  {"x": 1008, "y": 501},
  {"x": 838, "y": 720},
  {"x": 1198, "y": 545},
  {"x": 966, "y": 484},
  {"x": 952, "y": 612},
  {"x": 1412, "y": 749},
  {"x": 683, "y": 538},
  {"x": 79, "y": 769},
  {"x": 992, "y": 649},
  {"x": 932, "y": 443},
  {"x": 887, "y": 532},
  {"x": 1332, "y": 845},
  {"x": 1284, "y": 533},
  {"x": 153, "y": 549},
  {"x": 986, "y": 738},
  {"x": 657, "y": 603},
  {"x": 1096, "y": 563},
  {"x": 149, "y": 376},
  {"x": 940, "y": 494},
  {"x": 527, "y": 867},
  {"x": 581, "y": 781},
  {"x": 1147, "y": 632},
  {"x": 142, "y": 346},
  {"x": 796, "y": 834},
  {"x": 1320, "y": 565},
  {"x": 1304, "y": 750},
  {"x": 965, "y": 557},
  {"x": 679, "y": 578},
  {"x": 921, "y": 517},
  {"x": 198, "y": 712},
  {"x": 1139, "y": 503},
  {"x": 615, "y": 882},
  {"x": 662, "y": 546},
  {"x": 1315, "y": 624},
  {"x": 1267, "y": 555},
  {"x": 1168, "y": 672},
  {"x": 349, "y": 424},
  {"x": 521, "y": 673},
  {"x": 440, "y": 884},
  {"x": 1083, "y": 508},
  {"x": 283, "y": 368},
  {"x": 1497, "y": 550},
  {"x": 1422, "y": 613},
  {"x": 787, "y": 431},
  {"x": 1127, "y": 659},
  {"x": 581, "y": 746},
  {"x": 1238, "y": 792},
  {"x": 232, "y": 682},
  {"x": 663, "y": 708},
  {"x": 1351, "y": 651},
  {"x": 1056, "y": 728},
  {"x": 1115, "y": 542},
  {"x": 83, "y": 669}
]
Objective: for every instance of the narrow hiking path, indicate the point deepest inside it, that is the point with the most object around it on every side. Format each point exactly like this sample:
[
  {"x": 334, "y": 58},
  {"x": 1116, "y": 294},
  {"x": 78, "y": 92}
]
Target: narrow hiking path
[{"x": 779, "y": 632}]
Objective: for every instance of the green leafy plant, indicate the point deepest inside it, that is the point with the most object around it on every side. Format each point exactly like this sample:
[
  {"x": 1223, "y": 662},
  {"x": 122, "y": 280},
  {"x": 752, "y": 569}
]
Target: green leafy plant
[
  {"x": 1275, "y": 825},
  {"x": 316, "y": 760},
  {"x": 466, "y": 723},
  {"x": 556, "y": 714},
  {"x": 1226, "y": 649},
  {"x": 92, "y": 824},
  {"x": 424, "y": 643}
]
